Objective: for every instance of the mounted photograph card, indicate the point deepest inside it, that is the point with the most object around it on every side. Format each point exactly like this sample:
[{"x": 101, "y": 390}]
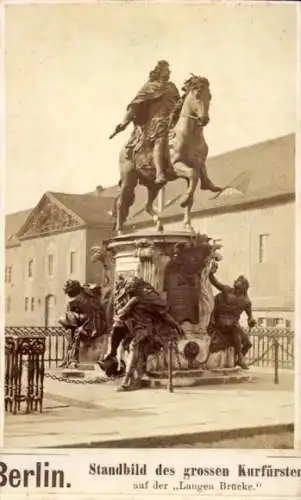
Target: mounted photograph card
[{"x": 150, "y": 253}]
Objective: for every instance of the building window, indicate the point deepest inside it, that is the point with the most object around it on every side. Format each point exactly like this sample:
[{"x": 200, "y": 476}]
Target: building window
[
  {"x": 26, "y": 302},
  {"x": 72, "y": 262},
  {"x": 8, "y": 274},
  {"x": 8, "y": 305},
  {"x": 263, "y": 244},
  {"x": 50, "y": 265},
  {"x": 30, "y": 268},
  {"x": 278, "y": 322},
  {"x": 272, "y": 322},
  {"x": 32, "y": 303}
]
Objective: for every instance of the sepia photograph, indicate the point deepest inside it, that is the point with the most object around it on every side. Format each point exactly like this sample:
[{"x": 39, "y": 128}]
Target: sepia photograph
[{"x": 150, "y": 226}]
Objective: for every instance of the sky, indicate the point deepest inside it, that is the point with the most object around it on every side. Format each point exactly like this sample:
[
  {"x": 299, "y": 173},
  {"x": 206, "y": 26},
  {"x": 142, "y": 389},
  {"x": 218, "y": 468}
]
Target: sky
[{"x": 71, "y": 70}]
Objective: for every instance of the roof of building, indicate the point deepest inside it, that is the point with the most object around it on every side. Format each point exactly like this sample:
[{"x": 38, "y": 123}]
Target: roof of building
[
  {"x": 13, "y": 222},
  {"x": 255, "y": 173},
  {"x": 93, "y": 210}
]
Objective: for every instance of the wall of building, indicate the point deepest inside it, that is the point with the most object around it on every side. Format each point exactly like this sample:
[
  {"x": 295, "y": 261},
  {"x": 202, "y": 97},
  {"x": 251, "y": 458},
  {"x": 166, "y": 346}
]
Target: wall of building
[
  {"x": 94, "y": 237},
  {"x": 38, "y": 290},
  {"x": 13, "y": 284},
  {"x": 269, "y": 231}
]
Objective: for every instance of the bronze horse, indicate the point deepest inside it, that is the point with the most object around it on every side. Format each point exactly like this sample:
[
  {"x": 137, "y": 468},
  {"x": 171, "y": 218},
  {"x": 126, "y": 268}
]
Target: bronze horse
[{"x": 185, "y": 157}]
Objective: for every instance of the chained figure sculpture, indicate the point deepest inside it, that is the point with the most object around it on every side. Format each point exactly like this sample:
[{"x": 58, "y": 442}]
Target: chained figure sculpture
[
  {"x": 84, "y": 320},
  {"x": 224, "y": 327},
  {"x": 142, "y": 324}
]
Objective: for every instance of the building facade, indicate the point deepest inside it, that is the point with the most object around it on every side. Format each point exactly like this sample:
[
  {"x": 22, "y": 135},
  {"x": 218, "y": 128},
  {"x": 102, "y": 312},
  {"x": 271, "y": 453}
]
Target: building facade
[
  {"x": 254, "y": 219},
  {"x": 52, "y": 245}
]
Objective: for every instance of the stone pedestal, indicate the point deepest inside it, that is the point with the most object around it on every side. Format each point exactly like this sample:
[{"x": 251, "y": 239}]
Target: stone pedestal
[
  {"x": 177, "y": 265},
  {"x": 89, "y": 354},
  {"x": 146, "y": 254}
]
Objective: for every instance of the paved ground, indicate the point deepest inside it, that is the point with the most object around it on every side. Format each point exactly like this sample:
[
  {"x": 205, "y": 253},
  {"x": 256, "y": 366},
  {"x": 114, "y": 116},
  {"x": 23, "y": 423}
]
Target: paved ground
[{"x": 78, "y": 415}]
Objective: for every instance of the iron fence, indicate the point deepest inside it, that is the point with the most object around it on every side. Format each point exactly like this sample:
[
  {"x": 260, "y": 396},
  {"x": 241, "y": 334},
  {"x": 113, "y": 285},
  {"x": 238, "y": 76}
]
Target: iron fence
[
  {"x": 54, "y": 337},
  {"x": 24, "y": 373},
  {"x": 265, "y": 341},
  {"x": 261, "y": 353}
]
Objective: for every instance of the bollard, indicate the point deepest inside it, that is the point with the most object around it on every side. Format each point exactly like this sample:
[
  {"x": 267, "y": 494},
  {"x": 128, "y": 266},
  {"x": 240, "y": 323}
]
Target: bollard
[
  {"x": 276, "y": 361},
  {"x": 170, "y": 381}
]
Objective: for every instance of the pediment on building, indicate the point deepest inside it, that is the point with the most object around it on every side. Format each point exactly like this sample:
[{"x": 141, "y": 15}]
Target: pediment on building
[{"x": 47, "y": 217}]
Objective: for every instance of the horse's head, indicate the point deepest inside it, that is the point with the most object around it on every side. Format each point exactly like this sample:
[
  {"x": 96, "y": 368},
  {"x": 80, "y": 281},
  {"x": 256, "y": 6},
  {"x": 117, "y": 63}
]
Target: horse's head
[{"x": 197, "y": 91}]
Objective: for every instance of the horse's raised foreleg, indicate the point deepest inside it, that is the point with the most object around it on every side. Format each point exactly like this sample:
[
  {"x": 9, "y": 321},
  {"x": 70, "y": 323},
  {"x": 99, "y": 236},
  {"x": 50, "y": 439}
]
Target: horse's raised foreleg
[
  {"x": 152, "y": 194},
  {"x": 188, "y": 207},
  {"x": 191, "y": 175}
]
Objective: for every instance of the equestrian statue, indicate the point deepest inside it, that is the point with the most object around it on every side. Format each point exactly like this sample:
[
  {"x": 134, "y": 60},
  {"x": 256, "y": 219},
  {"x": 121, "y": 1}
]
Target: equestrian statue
[{"x": 167, "y": 143}]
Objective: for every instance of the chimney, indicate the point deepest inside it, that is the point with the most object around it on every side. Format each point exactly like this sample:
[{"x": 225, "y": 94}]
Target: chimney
[{"x": 99, "y": 189}]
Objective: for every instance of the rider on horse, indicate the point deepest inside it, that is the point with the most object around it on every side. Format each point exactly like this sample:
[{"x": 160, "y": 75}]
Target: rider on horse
[
  {"x": 150, "y": 111},
  {"x": 167, "y": 143}
]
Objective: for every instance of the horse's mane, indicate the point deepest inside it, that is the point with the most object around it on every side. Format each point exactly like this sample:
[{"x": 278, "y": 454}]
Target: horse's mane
[
  {"x": 177, "y": 111},
  {"x": 192, "y": 83}
]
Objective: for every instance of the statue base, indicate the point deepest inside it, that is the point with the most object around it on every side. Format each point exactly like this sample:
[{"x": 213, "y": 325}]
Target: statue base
[
  {"x": 180, "y": 378},
  {"x": 176, "y": 263},
  {"x": 192, "y": 378},
  {"x": 90, "y": 353},
  {"x": 86, "y": 372},
  {"x": 197, "y": 378}
]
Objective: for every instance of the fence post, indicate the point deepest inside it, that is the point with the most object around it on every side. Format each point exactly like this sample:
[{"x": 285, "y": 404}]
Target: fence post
[
  {"x": 170, "y": 380},
  {"x": 276, "y": 360}
]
